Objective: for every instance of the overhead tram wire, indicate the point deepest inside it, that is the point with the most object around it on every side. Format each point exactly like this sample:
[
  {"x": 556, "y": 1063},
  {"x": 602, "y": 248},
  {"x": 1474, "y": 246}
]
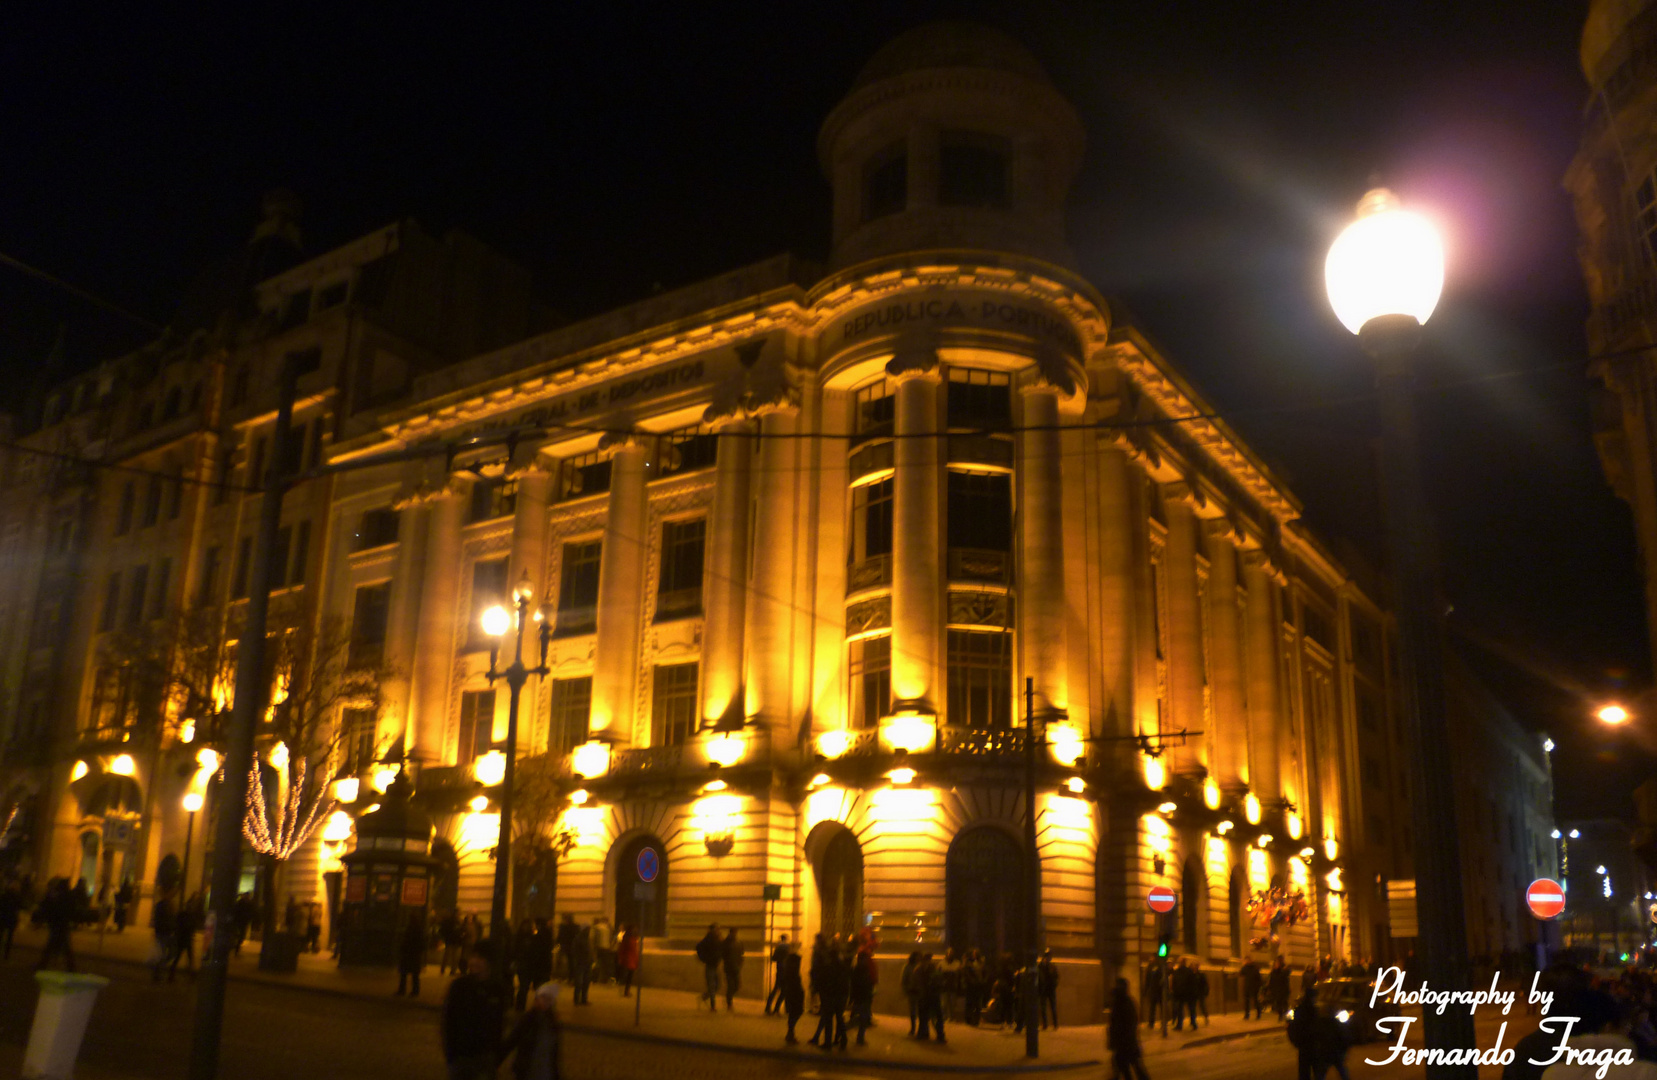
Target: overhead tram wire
[{"x": 77, "y": 291}]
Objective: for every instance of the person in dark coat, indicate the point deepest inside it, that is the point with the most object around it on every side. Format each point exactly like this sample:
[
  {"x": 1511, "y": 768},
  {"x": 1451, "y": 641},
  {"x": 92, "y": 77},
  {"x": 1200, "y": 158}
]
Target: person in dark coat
[
  {"x": 627, "y": 959},
  {"x": 1329, "y": 1046},
  {"x": 1047, "y": 984},
  {"x": 773, "y": 1000},
  {"x": 833, "y": 990},
  {"x": 1156, "y": 978},
  {"x": 731, "y": 958},
  {"x": 123, "y": 905},
  {"x": 1249, "y": 976},
  {"x": 411, "y": 956},
  {"x": 538, "y": 1038},
  {"x": 710, "y": 952},
  {"x": 1122, "y": 1036},
  {"x": 540, "y": 955},
  {"x": 185, "y": 924},
  {"x": 11, "y": 908},
  {"x": 474, "y": 1011},
  {"x": 1303, "y": 1035},
  {"x": 861, "y": 987},
  {"x": 242, "y": 914},
  {"x": 791, "y": 995},
  {"x": 566, "y": 941},
  {"x": 163, "y": 920},
  {"x": 1199, "y": 999},
  {"x": 57, "y": 911},
  {"x": 932, "y": 1006},
  {"x": 523, "y": 960},
  {"x": 1182, "y": 993},
  {"x": 1277, "y": 988},
  {"x": 581, "y": 965}
]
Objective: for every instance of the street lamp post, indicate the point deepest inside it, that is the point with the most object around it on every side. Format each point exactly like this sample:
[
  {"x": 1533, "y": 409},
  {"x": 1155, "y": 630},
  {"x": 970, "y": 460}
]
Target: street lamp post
[
  {"x": 496, "y": 622},
  {"x": 192, "y": 803},
  {"x": 1384, "y": 274}
]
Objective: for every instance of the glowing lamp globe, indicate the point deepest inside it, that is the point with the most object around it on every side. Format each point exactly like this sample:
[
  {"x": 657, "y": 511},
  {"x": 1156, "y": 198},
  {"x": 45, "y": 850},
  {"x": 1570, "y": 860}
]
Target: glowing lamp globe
[
  {"x": 208, "y": 758},
  {"x": 496, "y": 621},
  {"x": 590, "y": 759},
  {"x": 490, "y": 768},
  {"x": 347, "y": 789},
  {"x": 725, "y": 749},
  {"x": 834, "y": 743},
  {"x": 1613, "y": 714},
  {"x": 192, "y": 801},
  {"x": 1387, "y": 262}
]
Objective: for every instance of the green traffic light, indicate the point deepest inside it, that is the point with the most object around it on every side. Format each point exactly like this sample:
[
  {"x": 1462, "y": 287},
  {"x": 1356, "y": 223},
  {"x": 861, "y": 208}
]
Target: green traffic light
[{"x": 1162, "y": 949}]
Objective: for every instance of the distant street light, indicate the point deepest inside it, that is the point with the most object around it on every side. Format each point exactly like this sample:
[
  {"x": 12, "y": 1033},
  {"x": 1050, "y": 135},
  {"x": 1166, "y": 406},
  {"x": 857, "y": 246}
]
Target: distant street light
[
  {"x": 192, "y": 804},
  {"x": 1384, "y": 275},
  {"x": 1613, "y": 715}
]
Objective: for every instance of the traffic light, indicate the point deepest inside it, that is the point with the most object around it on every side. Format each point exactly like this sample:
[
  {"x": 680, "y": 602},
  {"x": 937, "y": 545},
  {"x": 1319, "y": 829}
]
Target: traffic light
[{"x": 1162, "y": 949}]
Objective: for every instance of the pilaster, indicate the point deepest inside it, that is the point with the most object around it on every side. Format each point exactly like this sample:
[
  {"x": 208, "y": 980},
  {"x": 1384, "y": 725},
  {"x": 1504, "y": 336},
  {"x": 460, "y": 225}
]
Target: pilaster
[
  {"x": 917, "y": 565},
  {"x": 402, "y": 620},
  {"x": 770, "y": 632},
  {"x": 1226, "y": 678},
  {"x": 1042, "y": 620},
  {"x": 620, "y": 588},
  {"x": 724, "y": 596},
  {"x": 1185, "y": 646},
  {"x": 434, "y": 647},
  {"x": 1264, "y": 693}
]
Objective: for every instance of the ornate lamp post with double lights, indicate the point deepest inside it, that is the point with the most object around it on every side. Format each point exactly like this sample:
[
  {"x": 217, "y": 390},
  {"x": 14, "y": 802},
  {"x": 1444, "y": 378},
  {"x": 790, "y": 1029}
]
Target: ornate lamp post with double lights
[
  {"x": 1385, "y": 273},
  {"x": 496, "y": 622}
]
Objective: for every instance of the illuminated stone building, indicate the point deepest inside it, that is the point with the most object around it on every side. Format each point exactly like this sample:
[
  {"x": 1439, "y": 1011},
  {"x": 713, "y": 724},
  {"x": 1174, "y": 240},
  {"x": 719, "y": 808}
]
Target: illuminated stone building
[
  {"x": 1613, "y": 184},
  {"x": 804, "y": 536}
]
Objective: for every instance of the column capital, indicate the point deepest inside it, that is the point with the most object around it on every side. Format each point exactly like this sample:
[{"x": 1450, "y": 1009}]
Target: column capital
[
  {"x": 612, "y": 443},
  {"x": 1221, "y": 529},
  {"x": 1054, "y": 373},
  {"x": 914, "y": 362},
  {"x": 1258, "y": 559}
]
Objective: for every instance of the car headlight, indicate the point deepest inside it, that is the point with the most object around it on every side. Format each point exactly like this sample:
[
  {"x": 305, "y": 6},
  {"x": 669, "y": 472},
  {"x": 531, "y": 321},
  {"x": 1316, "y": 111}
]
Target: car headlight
[{"x": 1343, "y": 1016}]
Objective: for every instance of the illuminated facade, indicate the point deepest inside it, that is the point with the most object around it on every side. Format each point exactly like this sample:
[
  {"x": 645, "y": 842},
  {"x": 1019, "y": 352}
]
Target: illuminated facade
[{"x": 805, "y": 536}]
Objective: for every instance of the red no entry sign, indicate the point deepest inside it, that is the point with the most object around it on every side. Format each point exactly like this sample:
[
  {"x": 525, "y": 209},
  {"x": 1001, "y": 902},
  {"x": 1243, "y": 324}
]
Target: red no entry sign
[
  {"x": 1545, "y": 897},
  {"x": 1161, "y": 899}
]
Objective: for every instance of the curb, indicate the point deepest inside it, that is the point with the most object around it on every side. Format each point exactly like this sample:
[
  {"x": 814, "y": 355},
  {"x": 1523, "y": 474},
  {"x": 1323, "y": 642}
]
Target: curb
[
  {"x": 634, "y": 1035},
  {"x": 1215, "y": 1040}
]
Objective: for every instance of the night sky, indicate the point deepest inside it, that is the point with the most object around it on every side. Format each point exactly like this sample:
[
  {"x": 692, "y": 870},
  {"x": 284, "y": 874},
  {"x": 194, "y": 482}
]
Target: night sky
[{"x": 629, "y": 147}]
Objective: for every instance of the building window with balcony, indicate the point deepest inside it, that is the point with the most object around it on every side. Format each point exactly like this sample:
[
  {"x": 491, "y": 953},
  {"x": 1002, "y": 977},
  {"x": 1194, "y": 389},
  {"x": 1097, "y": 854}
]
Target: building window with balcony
[
  {"x": 679, "y": 590},
  {"x": 477, "y": 725},
  {"x": 376, "y": 528},
  {"x": 572, "y": 706},
  {"x": 673, "y": 704},
  {"x": 870, "y": 664},
  {"x": 370, "y": 613},
  {"x": 578, "y": 588},
  {"x": 588, "y": 474},
  {"x": 871, "y": 533},
  {"x": 492, "y": 499},
  {"x": 980, "y": 680},
  {"x": 488, "y": 589},
  {"x": 980, "y": 399},
  {"x": 886, "y": 182},
  {"x": 686, "y": 450}
]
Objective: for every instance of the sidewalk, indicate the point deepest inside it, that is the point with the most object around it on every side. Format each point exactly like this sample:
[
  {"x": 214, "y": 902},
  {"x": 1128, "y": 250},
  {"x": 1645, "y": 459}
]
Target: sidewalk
[{"x": 676, "y": 1017}]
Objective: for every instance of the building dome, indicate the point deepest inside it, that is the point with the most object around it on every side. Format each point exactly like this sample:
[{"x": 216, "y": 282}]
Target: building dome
[
  {"x": 1606, "y": 22},
  {"x": 949, "y": 45}
]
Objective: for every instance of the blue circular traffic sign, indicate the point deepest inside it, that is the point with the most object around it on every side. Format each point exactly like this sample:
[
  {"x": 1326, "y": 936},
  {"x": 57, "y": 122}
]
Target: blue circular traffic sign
[{"x": 649, "y": 864}]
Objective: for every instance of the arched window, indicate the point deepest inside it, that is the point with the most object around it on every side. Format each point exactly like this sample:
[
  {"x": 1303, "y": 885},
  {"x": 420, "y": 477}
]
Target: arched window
[
  {"x": 984, "y": 892},
  {"x": 837, "y": 864},
  {"x": 1193, "y": 902},
  {"x": 641, "y": 886}
]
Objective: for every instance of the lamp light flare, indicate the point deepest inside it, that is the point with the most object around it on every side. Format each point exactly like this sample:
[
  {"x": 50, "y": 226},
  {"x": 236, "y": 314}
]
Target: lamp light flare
[
  {"x": 347, "y": 789},
  {"x": 490, "y": 768},
  {"x": 580, "y": 796},
  {"x": 1389, "y": 261},
  {"x": 1166, "y": 808},
  {"x": 1076, "y": 785},
  {"x": 192, "y": 801},
  {"x": 338, "y": 828},
  {"x": 479, "y": 803},
  {"x": 590, "y": 759},
  {"x": 902, "y": 776},
  {"x": 1547, "y": 745},
  {"x": 1613, "y": 714},
  {"x": 208, "y": 758},
  {"x": 820, "y": 779},
  {"x": 383, "y": 778},
  {"x": 1576, "y": 834},
  {"x": 1265, "y": 840},
  {"x": 834, "y": 743},
  {"x": 1211, "y": 794},
  {"x": 496, "y": 621},
  {"x": 1156, "y": 774},
  {"x": 726, "y": 749},
  {"x": 78, "y": 771},
  {"x": 123, "y": 765}
]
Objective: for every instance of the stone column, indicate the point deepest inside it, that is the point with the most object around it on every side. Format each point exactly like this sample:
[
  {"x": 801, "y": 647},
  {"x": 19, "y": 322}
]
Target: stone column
[
  {"x": 917, "y": 563},
  {"x": 724, "y": 594},
  {"x": 1264, "y": 694},
  {"x": 434, "y": 645},
  {"x": 770, "y": 632},
  {"x": 1041, "y": 616},
  {"x": 529, "y": 557},
  {"x": 1185, "y": 659},
  {"x": 1225, "y": 675},
  {"x": 1117, "y": 582},
  {"x": 620, "y": 591},
  {"x": 402, "y": 621}
]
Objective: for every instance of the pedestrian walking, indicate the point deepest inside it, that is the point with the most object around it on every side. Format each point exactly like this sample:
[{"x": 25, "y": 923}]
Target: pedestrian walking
[
  {"x": 185, "y": 924},
  {"x": 541, "y": 948},
  {"x": 581, "y": 964},
  {"x": 1047, "y": 986},
  {"x": 773, "y": 1000},
  {"x": 523, "y": 958},
  {"x": 711, "y": 952},
  {"x": 833, "y": 992},
  {"x": 1249, "y": 976},
  {"x": 861, "y": 991},
  {"x": 11, "y": 909},
  {"x": 57, "y": 911},
  {"x": 163, "y": 921},
  {"x": 1182, "y": 994},
  {"x": 793, "y": 992},
  {"x": 448, "y": 935},
  {"x": 819, "y": 947},
  {"x": 1122, "y": 1036},
  {"x": 566, "y": 941},
  {"x": 537, "y": 1039},
  {"x": 411, "y": 956},
  {"x": 313, "y": 928},
  {"x": 731, "y": 957},
  {"x": 932, "y": 1009},
  {"x": 627, "y": 959},
  {"x": 1277, "y": 988},
  {"x": 1302, "y": 1032},
  {"x": 123, "y": 905},
  {"x": 1199, "y": 986},
  {"x": 911, "y": 992},
  {"x": 241, "y": 917},
  {"x": 1156, "y": 980},
  {"x": 474, "y": 1011},
  {"x": 604, "y": 950}
]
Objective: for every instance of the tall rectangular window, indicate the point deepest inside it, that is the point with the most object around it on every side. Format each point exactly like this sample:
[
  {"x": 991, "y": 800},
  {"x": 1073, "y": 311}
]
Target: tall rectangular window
[
  {"x": 112, "y": 603},
  {"x": 578, "y": 588},
  {"x": 673, "y": 704},
  {"x": 137, "y": 589},
  {"x": 572, "y": 706},
  {"x": 871, "y": 680},
  {"x": 244, "y": 565},
  {"x": 123, "y": 521},
  {"x": 488, "y": 589},
  {"x": 679, "y": 590},
  {"x": 158, "y": 596},
  {"x": 588, "y": 474},
  {"x": 886, "y": 182},
  {"x": 209, "y": 575},
  {"x": 980, "y": 511},
  {"x": 871, "y": 520},
  {"x": 876, "y": 409},
  {"x": 979, "y": 399},
  {"x": 375, "y": 528},
  {"x": 301, "y": 553},
  {"x": 493, "y": 499},
  {"x": 256, "y": 468},
  {"x": 358, "y": 739},
  {"x": 477, "y": 725},
  {"x": 972, "y": 171},
  {"x": 370, "y": 613},
  {"x": 279, "y": 557},
  {"x": 980, "y": 680}
]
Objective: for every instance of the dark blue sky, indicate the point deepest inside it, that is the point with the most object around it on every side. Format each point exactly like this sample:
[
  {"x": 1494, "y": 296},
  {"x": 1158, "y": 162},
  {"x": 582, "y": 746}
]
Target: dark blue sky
[{"x": 626, "y": 146}]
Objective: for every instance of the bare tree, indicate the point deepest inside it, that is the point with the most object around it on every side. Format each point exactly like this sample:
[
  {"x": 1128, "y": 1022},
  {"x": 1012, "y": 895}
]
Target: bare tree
[{"x": 538, "y": 800}]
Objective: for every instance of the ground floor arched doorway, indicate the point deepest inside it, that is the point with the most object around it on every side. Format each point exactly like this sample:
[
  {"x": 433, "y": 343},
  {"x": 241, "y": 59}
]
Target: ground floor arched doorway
[
  {"x": 984, "y": 892},
  {"x": 640, "y": 875},
  {"x": 837, "y": 868}
]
